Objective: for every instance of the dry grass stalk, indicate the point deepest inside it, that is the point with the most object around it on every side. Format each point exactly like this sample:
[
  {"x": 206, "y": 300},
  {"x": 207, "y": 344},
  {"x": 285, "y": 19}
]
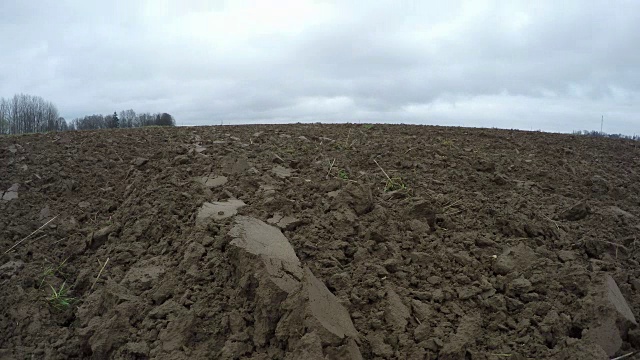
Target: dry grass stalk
[
  {"x": 28, "y": 236},
  {"x": 99, "y": 273}
]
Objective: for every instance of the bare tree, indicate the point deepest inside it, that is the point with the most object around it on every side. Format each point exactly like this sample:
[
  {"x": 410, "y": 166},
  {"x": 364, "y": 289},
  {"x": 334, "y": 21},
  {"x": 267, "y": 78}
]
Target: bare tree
[
  {"x": 4, "y": 116},
  {"x": 26, "y": 113},
  {"x": 127, "y": 118}
]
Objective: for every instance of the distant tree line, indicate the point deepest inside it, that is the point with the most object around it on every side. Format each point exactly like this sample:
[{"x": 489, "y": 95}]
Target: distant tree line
[
  {"x": 30, "y": 114},
  {"x": 126, "y": 119},
  {"x": 603, "y": 134},
  {"x": 27, "y": 114}
]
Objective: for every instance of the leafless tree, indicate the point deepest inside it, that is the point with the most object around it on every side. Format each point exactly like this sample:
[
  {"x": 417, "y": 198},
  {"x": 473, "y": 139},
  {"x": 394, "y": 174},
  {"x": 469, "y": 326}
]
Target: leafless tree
[{"x": 26, "y": 113}]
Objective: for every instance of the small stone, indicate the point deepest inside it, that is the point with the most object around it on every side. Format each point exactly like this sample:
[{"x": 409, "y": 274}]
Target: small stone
[
  {"x": 467, "y": 292},
  {"x": 463, "y": 258},
  {"x": 483, "y": 241},
  {"x": 520, "y": 286},
  {"x": 497, "y": 303},
  {"x": 207, "y": 240},
  {"x": 378, "y": 346},
  {"x": 422, "y": 258},
  {"x": 437, "y": 295},
  {"x": 84, "y": 204},
  {"x": 139, "y": 161},
  {"x": 392, "y": 265},
  {"x": 566, "y": 255},
  {"x": 212, "y": 181},
  {"x": 619, "y": 212},
  {"x": 361, "y": 254},
  {"x": 234, "y": 350},
  {"x": 396, "y": 314},
  {"x": 513, "y": 304},
  {"x": 142, "y": 278},
  {"x": 11, "y": 193},
  {"x": 193, "y": 253},
  {"x": 181, "y": 159},
  {"x": 503, "y": 265},
  {"x": 428, "y": 345},
  {"x": 577, "y": 212},
  {"x": 309, "y": 347},
  {"x": 485, "y": 284},
  {"x": 218, "y": 210},
  {"x": 220, "y": 242},
  {"x": 138, "y": 348},
  {"x": 422, "y": 332},
  {"x": 99, "y": 237},
  {"x": 418, "y": 226},
  {"x": 530, "y": 297},
  {"x": 395, "y": 194},
  {"x": 516, "y": 258},
  {"x": 421, "y": 311},
  {"x": 500, "y": 179},
  {"x": 485, "y": 166},
  {"x": 284, "y": 222},
  {"x": 281, "y": 171},
  {"x": 468, "y": 330}
]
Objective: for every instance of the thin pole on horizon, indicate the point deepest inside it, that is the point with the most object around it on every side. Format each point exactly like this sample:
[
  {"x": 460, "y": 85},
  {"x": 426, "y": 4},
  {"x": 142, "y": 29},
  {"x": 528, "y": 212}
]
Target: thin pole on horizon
[{"x": 601, "y": 123}]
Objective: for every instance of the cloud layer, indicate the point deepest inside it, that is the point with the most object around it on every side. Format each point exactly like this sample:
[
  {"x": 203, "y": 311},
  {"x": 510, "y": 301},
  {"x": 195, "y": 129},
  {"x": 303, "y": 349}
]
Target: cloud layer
[{"x": 550, "y": 65}]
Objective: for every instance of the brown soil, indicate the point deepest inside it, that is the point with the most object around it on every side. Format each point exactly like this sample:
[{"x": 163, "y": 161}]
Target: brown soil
[{"x": 272, "y": 242}]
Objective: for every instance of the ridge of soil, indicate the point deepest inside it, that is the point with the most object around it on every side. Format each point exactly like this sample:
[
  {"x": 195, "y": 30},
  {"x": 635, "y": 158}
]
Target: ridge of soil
[{"x": 437, "y": 242}]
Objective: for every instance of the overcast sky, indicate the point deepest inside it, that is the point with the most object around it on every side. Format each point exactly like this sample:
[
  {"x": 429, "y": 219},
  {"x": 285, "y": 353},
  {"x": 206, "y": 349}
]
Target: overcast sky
[{"x": 550, "y": 65}]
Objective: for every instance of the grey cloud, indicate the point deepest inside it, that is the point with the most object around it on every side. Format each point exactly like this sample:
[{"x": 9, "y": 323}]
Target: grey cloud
[{"x": 545, "y": 64}]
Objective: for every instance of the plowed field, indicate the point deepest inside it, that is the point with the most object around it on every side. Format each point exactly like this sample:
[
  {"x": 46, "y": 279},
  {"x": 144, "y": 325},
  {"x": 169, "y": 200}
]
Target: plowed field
[{"x": 318, "y": 242}]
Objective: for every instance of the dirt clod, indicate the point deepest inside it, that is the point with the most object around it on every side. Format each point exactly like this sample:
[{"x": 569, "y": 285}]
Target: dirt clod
[
  {"x": 10, "y": 269},
  {"x": 11, "y": 193},
  {"x": 576, "y": 212},
  {"x": 218, "y": 210}
]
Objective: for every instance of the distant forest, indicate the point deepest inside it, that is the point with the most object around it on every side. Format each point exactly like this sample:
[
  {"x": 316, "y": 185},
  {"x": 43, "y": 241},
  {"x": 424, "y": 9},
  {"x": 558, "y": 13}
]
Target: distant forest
[
  {"x": 126, "y": 119},
  {"x": 602, "y": 134},
  {"x": 31, "y": 114}
]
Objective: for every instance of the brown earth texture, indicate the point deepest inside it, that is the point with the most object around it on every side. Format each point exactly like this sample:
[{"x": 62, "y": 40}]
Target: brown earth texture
[{"x": 318, "y": 242}]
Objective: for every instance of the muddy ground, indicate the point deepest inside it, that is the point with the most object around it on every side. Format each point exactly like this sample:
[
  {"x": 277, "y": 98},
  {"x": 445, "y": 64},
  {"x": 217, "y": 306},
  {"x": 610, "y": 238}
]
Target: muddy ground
[{"x": 318, "y": 241}]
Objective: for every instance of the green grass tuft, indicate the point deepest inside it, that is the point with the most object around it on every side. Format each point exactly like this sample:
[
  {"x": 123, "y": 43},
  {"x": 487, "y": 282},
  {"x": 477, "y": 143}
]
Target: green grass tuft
[{"x": 60, "y": 298}]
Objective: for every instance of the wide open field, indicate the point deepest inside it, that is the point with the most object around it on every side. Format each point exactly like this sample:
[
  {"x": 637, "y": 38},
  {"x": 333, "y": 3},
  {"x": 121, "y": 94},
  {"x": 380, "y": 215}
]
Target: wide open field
[{"x": 318, "y": 241}]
